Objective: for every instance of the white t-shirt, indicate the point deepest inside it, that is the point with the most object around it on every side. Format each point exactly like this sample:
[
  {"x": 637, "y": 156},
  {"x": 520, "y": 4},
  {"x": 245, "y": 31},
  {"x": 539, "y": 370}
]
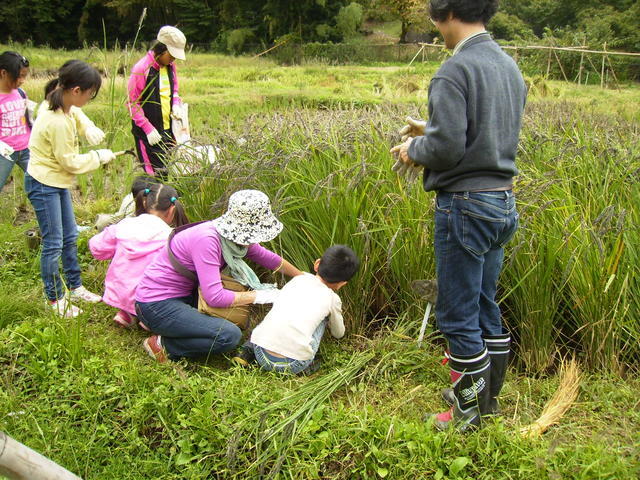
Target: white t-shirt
[{"x": 304, "y": 302}]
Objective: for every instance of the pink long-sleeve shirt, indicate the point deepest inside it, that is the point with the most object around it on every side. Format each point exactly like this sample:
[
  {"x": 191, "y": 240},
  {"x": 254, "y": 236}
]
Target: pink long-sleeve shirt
[
  {"x": 131, "y": 245},
  {"x": 198, "y": 249},
  {"x": 14, "y": 130},
  {"x": 136, "y": 89}
]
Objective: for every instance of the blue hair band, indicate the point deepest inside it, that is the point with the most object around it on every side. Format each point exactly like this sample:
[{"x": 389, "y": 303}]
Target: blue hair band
[
  {"x": 146, "y": 191},
  {"x": 173, "y": 199}
]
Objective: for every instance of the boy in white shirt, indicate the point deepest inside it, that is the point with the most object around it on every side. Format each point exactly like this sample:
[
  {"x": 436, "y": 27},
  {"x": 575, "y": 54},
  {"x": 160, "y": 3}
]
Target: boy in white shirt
[{"x": 288, "y": 338}]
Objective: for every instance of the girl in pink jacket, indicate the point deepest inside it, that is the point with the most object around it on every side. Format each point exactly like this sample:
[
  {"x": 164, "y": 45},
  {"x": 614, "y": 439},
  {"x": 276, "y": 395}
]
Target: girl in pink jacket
[
  {"x": 153, "y": 99},
  {"x": 131, "y": 245}
]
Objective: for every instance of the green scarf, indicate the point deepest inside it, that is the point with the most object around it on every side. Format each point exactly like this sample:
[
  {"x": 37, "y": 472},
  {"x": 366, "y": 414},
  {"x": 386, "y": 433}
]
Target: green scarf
[{"x": 233, "y": 255}]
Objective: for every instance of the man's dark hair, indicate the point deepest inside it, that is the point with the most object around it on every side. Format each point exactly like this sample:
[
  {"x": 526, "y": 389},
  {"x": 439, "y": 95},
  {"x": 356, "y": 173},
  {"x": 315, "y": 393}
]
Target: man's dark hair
[
  {"x": 338, "y": 264},
  {"x": 467, "y": 11}
]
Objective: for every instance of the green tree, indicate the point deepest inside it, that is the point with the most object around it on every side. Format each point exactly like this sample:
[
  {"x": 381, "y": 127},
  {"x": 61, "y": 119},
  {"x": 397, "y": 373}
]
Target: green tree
[{"x": 349, "y": 20}]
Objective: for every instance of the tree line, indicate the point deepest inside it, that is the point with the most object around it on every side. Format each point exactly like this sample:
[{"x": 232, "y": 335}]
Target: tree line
[{"x": 234, "y": 25}]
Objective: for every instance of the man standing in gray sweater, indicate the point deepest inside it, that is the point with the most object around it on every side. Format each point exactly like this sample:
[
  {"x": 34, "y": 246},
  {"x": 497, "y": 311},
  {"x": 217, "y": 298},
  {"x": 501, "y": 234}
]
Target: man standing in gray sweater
[{"x": 468, "y": 148}]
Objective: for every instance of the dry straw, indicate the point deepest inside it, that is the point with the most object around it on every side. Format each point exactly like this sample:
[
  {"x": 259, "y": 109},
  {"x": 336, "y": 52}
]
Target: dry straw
[{"x": 561, "y": 401}]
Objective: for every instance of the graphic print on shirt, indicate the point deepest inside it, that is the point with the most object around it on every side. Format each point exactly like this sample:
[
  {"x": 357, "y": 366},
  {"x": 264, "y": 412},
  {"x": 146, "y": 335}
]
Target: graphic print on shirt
[{"x": 13, "y": 122}]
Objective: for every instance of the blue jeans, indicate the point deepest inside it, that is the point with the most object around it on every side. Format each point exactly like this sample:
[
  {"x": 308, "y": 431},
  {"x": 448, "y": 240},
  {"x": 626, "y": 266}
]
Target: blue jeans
[
  {"x": 57, "y": 223},
  {"x": 471, "y": 229},
  {"x": 270, "y": 362},
  {"x": 19, "y": 157},
  {"x": 185, "y": 331}
]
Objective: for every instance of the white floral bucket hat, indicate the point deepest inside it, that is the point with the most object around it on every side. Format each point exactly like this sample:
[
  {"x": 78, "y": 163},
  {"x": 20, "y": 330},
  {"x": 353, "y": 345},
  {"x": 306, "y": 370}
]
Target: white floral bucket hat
[{"x": 248, "y": 219}]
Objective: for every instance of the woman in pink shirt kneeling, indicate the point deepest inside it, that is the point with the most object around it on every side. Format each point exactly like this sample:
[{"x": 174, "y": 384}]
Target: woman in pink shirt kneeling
[{"x": 165, "y": 299}]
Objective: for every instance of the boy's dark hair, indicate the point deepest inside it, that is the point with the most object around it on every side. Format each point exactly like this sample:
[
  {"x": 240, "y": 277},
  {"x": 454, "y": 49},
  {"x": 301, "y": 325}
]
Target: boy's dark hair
[
  {"x": 141, "y": 182},
  {"x": 74, "y": 73},
  {"x": 161, "y": 197},
  {"x": 13, "y": 62},
  {"x": 158, "y": 49},
  {"x": 338, "y": 264},
  {"x": 467, "y": 11}
]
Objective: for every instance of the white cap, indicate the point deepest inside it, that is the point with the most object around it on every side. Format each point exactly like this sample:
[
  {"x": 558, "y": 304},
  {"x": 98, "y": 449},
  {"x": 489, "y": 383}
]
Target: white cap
[{"x": 175, "y": 41}]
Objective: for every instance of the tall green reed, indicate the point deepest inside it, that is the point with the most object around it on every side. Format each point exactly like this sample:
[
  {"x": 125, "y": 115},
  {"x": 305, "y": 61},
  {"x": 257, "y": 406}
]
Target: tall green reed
[{"x": 567, "y": 277}]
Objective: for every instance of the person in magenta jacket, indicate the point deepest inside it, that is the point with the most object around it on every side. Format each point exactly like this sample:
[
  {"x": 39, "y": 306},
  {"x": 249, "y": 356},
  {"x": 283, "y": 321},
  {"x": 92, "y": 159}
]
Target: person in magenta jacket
[
  {"x": 153, "y": 99},
  {"x": 133, "y": 243},
  {"x": 165, "y": 300}
]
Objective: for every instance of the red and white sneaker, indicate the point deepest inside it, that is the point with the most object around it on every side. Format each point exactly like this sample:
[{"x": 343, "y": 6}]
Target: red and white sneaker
[
  {"x": 84, "y": 295},
  {"x": 124, "y": 319},
  {"x": 153, "y": 346},
  {"x": 64, "y": 308}
]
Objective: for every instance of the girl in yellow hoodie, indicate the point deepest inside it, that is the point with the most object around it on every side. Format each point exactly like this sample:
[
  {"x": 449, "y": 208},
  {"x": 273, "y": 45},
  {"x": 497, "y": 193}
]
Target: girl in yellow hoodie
[{"x": 55, "y": 161}]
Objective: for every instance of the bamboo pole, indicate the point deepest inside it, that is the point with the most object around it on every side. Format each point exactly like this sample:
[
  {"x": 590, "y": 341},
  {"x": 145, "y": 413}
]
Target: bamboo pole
[
  {"x": 19, "y": 462},
  {"x": 416, "y": 55},
  {"x": 580, "y": 69},
  {"x": 560, "y": 64},
  {"x": 602, "y": 70}
]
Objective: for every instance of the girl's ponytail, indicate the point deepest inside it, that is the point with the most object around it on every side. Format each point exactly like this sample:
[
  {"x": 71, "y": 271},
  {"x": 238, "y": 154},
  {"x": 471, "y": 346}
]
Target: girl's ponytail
[
  {"x": 180, "y": 216},
  {"x": 53, "y": 94}
]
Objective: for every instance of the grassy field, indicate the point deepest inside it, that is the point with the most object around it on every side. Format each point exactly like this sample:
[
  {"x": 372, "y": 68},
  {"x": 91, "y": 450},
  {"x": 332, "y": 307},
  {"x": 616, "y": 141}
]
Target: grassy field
[{"x": 85, "y": 394}]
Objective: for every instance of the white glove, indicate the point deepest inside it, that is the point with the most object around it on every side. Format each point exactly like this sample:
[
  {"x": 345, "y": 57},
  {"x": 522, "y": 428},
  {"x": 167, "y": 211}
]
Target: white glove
[
  {"x": 153, "y": 137},
  {"x": 177, "y": 111},
  {"x": 31, "y": 110},
  {"x": 266, "y": 296},
  {"x": 94, "y": 135},
  {"x": 5, "y": 150},
  {"x": 414, "y": 128},
  {"x": 105, "y": 155}
]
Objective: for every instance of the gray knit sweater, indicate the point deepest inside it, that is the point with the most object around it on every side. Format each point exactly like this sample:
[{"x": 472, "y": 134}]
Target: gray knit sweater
[{"x": 476, "y": 100}]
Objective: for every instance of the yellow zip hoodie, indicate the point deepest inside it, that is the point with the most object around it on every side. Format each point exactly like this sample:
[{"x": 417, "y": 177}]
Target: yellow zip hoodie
[{"x": 55, "y": 158}]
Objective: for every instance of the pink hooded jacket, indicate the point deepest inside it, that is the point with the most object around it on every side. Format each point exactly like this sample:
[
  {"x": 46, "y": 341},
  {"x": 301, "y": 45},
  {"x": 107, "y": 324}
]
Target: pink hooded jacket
[
  {"x": 137, "y": 85},
  {"x": 131, "y": 245}
]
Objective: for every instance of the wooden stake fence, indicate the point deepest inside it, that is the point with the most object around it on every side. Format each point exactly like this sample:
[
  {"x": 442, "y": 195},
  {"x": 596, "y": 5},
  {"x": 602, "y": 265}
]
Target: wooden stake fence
[{"x": 605, "y": 69}]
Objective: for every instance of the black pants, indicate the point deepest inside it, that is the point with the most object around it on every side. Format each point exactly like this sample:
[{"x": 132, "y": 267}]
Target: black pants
[{"x": 152, "y": 157}]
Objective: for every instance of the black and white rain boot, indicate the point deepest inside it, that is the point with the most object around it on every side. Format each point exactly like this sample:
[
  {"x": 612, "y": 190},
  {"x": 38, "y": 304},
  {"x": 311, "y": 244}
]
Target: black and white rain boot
[
  {"x": 470, "y": 375},
  {"x": 499, "y": 347}
]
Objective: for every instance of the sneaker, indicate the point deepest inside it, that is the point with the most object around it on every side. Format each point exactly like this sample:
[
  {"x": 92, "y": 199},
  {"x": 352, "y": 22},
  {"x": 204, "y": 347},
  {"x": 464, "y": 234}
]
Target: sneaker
[
  {"x": 84, "y": 295},
  {"x": 153, "y": 346},
  {"x": 245, "y": 357},
  {"x": 124, "y": 319},
  {"x": 64, "y": 308}
]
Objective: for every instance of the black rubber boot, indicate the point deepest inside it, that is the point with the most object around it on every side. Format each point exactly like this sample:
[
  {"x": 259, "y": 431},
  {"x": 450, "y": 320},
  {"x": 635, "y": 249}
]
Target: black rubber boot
[
  {"x": 471, "y": 376},
  {"x": 498, "y": 347}
]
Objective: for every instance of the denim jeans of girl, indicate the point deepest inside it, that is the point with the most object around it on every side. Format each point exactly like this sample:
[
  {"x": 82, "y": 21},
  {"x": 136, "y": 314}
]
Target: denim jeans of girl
[
  {"x": 270, "y": 362},
  {"x": 59, "y": 232},
  {"x": 471, "y": 229},
  {"x": 185, "y": 331},
  {"x": 20, "y": 158}
]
